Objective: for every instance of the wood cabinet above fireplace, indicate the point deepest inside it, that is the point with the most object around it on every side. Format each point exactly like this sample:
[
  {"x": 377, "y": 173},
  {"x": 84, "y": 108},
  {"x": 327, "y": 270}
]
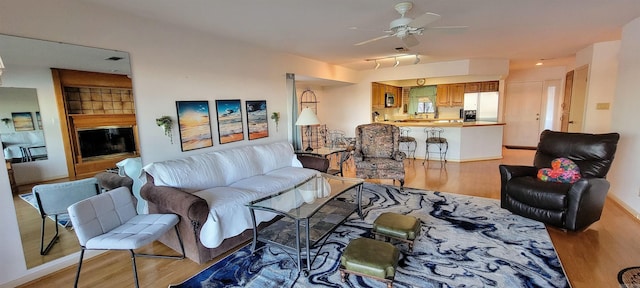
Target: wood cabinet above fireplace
[{"x": 95, "y": 105}]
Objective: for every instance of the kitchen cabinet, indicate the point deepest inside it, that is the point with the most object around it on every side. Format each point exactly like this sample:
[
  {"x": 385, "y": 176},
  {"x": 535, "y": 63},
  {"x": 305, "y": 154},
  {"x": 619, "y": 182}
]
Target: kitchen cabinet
[
  {"x": 475, "y": 87},
  {"x": 377, "y": 95},
  {"x": 378, "y": 91},
  {"x": 448, "y": 95}
]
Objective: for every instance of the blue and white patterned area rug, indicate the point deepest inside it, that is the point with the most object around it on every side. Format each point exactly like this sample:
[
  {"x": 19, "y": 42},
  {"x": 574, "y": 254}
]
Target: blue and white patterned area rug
[
  {"x": 464, "y": 242},
  {"x": 63, "y": 219}
]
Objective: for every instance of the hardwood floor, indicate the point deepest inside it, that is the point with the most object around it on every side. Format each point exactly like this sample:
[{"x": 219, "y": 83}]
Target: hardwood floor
[{"x": 591, "y": 258}]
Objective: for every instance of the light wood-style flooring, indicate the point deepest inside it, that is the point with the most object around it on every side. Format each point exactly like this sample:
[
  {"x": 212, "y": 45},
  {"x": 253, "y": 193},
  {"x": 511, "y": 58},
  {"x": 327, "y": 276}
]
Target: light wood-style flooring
[{"x": 591, "y": 258}]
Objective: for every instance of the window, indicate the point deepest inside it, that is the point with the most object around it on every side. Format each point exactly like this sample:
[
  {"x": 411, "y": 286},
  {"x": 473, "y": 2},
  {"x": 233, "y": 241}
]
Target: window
[{"x": 425, "y": 105}]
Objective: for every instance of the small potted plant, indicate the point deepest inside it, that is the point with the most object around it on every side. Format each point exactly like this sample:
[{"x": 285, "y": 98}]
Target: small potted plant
[
  {"x": 166, "y": 124},
  {"x": 276, "y": 117}
]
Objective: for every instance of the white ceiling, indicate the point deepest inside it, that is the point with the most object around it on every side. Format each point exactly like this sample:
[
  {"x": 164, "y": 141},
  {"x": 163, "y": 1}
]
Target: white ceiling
[{"x": 523, "y": 31}]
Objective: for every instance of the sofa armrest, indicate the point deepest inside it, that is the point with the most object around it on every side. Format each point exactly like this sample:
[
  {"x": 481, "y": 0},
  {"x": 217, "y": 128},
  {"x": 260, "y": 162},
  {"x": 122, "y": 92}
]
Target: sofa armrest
[
  {"x": 511, "y": 171},
  {"x": 586, "y": 201},
  {"x": 314, "y": 162},
  {"x": 173, "y": 200}
]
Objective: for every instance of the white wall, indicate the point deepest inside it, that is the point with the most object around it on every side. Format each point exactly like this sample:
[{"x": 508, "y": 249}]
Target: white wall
[
  {"x": 55, "y": 166},
  {"x": 603, "y": 70},
  {"x": 625, "y": 183},
  {"x": 168, "y": 64}
]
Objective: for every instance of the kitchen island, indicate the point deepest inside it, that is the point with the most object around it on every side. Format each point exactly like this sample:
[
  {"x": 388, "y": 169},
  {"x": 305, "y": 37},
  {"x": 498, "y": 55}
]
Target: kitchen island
[{"x": 468, "y": 141}]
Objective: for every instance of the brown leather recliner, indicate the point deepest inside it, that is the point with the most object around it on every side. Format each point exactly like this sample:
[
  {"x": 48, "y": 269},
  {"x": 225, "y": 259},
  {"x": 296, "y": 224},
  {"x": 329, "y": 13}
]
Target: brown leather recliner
[{"x": 568, "y": 206}]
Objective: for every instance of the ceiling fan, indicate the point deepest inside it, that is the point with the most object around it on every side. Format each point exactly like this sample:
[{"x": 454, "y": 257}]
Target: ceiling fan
[{"x": 406, "y": 28}]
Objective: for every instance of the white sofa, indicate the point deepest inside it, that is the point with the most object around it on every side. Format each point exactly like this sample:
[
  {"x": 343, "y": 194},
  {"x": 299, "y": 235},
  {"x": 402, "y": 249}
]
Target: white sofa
[
  {"x": 225, "y": 180},
  {"x": 12, "y": 144}
]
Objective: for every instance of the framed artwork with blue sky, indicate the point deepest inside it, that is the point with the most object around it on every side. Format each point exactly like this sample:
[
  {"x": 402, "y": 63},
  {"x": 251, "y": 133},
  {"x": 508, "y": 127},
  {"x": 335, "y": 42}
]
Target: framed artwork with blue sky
[
  {"x": 195, "y": 124},
  {"x": 229, "y": 121}
]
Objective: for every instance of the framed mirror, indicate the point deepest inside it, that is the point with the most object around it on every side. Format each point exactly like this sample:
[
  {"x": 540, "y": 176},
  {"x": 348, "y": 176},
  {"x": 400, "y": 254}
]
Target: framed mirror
[{"x": 28, "y": 102}]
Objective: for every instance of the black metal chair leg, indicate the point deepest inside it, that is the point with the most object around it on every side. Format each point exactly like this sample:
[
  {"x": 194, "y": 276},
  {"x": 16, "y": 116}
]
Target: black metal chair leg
[
  {"x": 75, "y": 285},
  {"x": 135, "y": 270},
  {"x": 44, "y": 251}
]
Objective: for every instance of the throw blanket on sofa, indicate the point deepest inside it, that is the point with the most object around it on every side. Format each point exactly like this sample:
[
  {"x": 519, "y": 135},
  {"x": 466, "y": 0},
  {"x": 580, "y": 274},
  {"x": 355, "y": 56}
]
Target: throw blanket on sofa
[{"x": 229, "y": 179}]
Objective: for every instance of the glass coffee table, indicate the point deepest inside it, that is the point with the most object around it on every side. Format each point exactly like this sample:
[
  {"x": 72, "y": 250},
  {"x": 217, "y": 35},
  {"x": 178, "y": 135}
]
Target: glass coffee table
[{"x": 308, "y": 213}]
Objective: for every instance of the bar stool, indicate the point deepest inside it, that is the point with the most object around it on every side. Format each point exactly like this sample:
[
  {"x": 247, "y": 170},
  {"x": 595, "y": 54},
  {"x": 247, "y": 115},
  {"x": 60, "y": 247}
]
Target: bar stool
[
  {"x": 434, "y": 138},
  {"x": 408, "y": 142}
]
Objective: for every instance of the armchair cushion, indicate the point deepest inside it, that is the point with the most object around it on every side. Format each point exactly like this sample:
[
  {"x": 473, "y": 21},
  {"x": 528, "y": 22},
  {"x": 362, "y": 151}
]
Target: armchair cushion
[
  {"x": 377, "y": 154},
  {"x": 562, "y": 170}
]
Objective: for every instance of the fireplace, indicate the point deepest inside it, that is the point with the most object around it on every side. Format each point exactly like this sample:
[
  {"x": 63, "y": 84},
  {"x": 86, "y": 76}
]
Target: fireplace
[{"x": 98, "y": 142}]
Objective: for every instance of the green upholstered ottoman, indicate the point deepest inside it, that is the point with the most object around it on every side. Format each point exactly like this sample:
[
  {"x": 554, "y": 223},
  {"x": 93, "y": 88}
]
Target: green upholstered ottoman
[
  {"x": 401, "y": 227},
  {"x": 370, "y": 258}
]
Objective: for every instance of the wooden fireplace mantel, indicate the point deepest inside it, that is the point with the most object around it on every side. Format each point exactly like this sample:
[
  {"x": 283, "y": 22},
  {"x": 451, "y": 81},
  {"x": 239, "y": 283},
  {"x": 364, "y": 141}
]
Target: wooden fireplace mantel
[{"x": 70, "y": 123}]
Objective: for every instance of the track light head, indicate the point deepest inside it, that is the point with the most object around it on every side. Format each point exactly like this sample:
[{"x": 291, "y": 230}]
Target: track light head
[
  {"x": 377, "y": 65},
  {"x": 417, "y": 60},
  {"x": 397, "y": 62}
]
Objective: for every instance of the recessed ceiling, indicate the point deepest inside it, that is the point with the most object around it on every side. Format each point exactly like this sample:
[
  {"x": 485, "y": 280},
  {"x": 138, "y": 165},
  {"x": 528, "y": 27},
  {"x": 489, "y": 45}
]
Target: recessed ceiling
[{"x": 523, "y": 31}]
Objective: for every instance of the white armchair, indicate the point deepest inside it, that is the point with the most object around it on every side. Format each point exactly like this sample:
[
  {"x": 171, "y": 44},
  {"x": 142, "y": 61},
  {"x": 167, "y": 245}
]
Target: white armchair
[
  {"x": 54, "y": 199},
  {"x": 109, "y": 222}
]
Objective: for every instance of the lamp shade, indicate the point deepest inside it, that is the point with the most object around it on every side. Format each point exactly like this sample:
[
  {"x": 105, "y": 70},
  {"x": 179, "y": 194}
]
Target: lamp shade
[{"x": 307, "y": 117}]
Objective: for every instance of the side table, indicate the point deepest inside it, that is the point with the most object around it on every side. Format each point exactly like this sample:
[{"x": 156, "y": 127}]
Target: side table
[{"x": 12, "y": 178}]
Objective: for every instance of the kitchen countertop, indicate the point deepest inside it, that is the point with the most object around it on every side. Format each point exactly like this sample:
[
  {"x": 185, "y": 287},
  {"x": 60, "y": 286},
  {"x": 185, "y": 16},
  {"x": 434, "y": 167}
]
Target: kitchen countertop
[{"x": 442, "y": 123}]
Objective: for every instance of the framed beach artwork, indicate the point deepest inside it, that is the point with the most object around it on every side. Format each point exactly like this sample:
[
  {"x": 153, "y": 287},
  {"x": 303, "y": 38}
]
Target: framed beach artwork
[
  {"x": 229, "y": 121},
  {"x": 39, "y": 120},
  {"x": 195, "y": 124},
  {"x": 257, "y": 124},
  {"x": 22, "y": 121}
]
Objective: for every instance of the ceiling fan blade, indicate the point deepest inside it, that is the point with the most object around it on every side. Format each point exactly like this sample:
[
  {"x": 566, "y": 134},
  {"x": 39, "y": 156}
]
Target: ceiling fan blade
[
  {"x": 371, "y": 40},
  {"x": 410, "y": 41},
  {"x": 424, "y": 19},
  {"x": 448, "y": 28}
]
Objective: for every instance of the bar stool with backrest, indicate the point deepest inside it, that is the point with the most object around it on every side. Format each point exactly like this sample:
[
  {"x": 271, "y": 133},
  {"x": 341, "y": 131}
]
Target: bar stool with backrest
[
  {"x": 434, "y": 138},
  {"x": 408, "y": 142}
]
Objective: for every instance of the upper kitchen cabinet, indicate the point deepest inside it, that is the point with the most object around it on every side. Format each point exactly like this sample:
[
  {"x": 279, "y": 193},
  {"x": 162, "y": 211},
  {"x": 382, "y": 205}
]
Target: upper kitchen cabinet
[
  {"x": 378, "y": 95},
  {"x": 475, "y": 87},
  {"x": 450, "y": 95}
]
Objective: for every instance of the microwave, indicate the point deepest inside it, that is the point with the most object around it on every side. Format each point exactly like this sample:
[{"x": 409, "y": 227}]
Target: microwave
[{"x": 389, "y": 99}]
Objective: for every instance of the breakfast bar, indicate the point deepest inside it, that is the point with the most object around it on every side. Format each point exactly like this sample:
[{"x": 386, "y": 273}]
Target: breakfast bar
[{"x": 467, "y": 141}]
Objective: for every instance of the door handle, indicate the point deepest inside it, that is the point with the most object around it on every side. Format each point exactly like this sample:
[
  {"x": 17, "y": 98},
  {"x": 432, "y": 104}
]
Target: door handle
[{"x": 570, "y": 122}]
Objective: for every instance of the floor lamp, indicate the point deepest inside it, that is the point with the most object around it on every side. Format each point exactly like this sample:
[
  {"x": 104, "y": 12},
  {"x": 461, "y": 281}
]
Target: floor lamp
[{"x": 308, "y": 118}]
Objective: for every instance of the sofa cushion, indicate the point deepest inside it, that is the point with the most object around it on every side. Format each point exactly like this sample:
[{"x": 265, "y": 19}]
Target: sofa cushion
[
  {"x": 264, "y": 184},
  {"x": 540, "y": 194},
  {"x": 293, "y": 174},
  {"x": 228, "y": 215},
  {"x": 238, "y": 163},
  {"x": 193, "y": 173},
  {"x": 273, "y": 156}
]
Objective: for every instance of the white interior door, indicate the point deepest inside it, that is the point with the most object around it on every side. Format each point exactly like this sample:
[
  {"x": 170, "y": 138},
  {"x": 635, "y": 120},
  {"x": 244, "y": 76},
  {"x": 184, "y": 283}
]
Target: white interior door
[
  {"x": 578, "y": 96},
  {"x": 522, "y": 113}
]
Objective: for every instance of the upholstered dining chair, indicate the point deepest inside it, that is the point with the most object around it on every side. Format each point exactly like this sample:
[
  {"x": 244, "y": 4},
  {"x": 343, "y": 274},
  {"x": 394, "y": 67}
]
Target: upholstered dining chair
[
  {"x": 54, "y": 199},
  {"x": 377, "y": 154},
  {"x": 571, "y": 206},
  {"x": 109, "y": 221}
]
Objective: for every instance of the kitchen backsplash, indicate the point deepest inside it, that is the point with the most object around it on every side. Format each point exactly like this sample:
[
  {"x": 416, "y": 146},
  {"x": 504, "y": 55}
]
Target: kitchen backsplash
[{"x": 392, "y": 114}]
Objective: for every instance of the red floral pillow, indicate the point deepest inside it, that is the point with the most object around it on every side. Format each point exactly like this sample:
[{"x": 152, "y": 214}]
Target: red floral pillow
[{"x": 562, "y": 170}]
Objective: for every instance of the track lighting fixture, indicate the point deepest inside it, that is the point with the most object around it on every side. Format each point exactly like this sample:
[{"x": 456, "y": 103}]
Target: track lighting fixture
[{"x": 378, "y": 61}]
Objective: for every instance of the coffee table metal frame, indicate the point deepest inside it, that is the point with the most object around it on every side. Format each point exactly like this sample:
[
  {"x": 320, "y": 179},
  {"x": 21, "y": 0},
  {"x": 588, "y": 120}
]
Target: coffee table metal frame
[{"x": 301, "y": 215}]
